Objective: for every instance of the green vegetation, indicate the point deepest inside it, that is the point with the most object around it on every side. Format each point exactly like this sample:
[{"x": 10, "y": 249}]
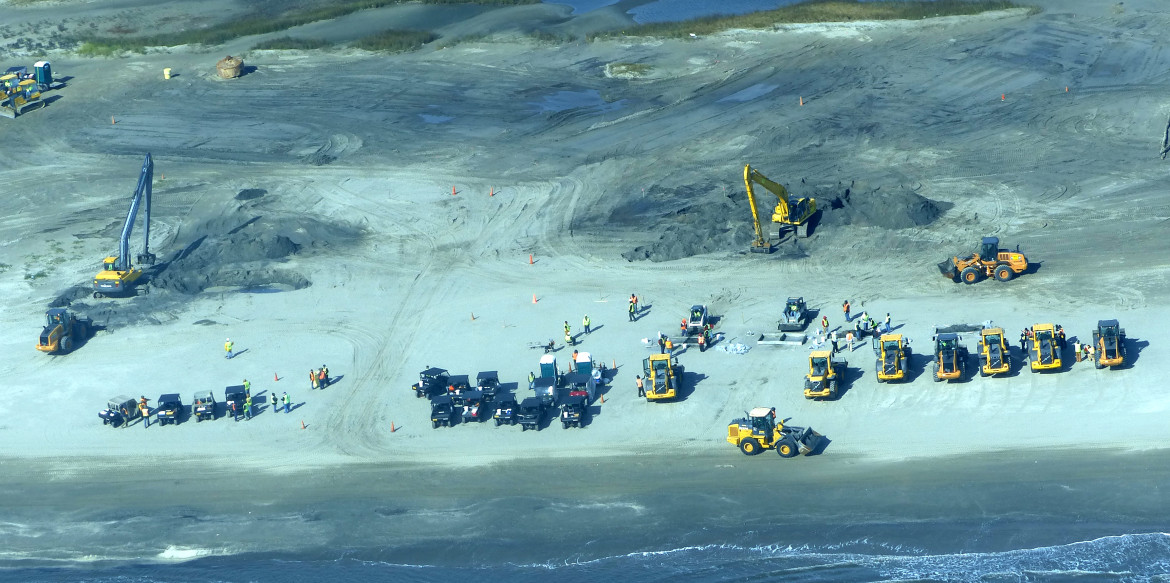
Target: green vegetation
[
  {"x": 35, "y": 276},
  {"x": 4, "y": 267},
  {"x": 627, "y": 70},
  {"x": 552, "y": 37},
  {"x": 251, "y": 24},
  {"x": 815, "y": 11},
  {"x": 395, "y": 41},
  {"x": 288, "y": 43}
]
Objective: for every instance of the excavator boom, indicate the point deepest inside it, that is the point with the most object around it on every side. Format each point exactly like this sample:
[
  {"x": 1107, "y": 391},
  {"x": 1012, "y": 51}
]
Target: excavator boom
[
  {"x": 118, "y": 273},
  {"x": 788, "y": 213}
]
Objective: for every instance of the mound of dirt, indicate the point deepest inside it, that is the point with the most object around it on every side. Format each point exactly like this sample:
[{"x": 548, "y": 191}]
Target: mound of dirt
[
  {"x": 247, "y": 254},
  {"x": 688, "y": 220},
  {"x": 887, "y": 207}
]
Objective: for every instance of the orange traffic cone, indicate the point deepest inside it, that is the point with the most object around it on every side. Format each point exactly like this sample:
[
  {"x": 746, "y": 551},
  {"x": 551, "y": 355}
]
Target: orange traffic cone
[
  {"x": 275, "y": 378},
  {"x": 530, "y": 262},
  {"x": 392, "y": 428},
  {"x": 302, "y": 423},
  {"x": 452, "y": 191},
  {"x": 534, "y": 298}
]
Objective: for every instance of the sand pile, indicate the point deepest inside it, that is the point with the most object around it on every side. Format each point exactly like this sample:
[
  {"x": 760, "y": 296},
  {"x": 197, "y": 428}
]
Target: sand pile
[{"x": 896, "y": 207}]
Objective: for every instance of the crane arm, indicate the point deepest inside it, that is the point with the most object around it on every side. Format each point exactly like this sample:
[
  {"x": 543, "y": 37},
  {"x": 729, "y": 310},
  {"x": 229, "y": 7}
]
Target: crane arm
[
  {"x": 145, "y": 179},
  {"x": 747, "y": 180},
  {"x": 752, "y": 175}
]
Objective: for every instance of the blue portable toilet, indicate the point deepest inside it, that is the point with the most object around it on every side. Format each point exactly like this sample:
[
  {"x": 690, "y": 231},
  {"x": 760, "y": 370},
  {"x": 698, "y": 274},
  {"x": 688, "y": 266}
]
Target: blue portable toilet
[{"x": 43, "y": 73}]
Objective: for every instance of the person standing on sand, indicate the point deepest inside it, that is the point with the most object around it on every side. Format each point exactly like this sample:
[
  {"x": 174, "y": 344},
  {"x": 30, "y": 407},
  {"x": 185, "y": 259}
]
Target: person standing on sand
[
  {"x": 286, "y": 400},
  {"x": 887, "y": 323},
  {"x": 227, "y": 347},
  {"x": 248, "y": 410},
  {"x": 145, "y": 409},
  {"x": 321, "y": 384},
  {"x": 585, "y": 323},
  {"x": 668, "y": 347},
  {"x": 531, "y": 380},
  {"x": 661, "y": 343},
  {"x": 235, "y": 412},
  {"x": 641, "y": 387},
  {"x": 275, "y": 401},
  {"x": 247, "y": 388},
  {"x": 633, "y": 308},
  {"x": 325, "y": 376},
  {"x": 845, "y": 308},
  {"x": 312, "y": 379},
  {"x": 825, "y": 324}
]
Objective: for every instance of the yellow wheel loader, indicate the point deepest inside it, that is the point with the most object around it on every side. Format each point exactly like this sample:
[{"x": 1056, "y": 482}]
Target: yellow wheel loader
[
  {"x": 63, "y": 331},
  {"x": 995, "y": 357},
  {"x": 893, "y": 357},
  {"x": 950, "y": 357},
  {"x": 1109, "y": 344},
  {"x": 760, "y": 430},
  {"x": 663, "y": 376},
  {"x": 1043, "y": 349},
  {"x": 825, "y": 375},
  {"x": 990, "y": 261}
]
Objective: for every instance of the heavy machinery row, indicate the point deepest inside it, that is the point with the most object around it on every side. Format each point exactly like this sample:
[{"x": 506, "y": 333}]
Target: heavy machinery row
[
  {"x": 21, "y": 91},
  {"x": 571, "y": 395}
]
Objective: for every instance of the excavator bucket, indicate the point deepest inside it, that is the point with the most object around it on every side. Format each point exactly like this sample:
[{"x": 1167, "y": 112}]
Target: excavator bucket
[
  {"x": 947, "y": 268},
  {"x": 807, "y": 440}
]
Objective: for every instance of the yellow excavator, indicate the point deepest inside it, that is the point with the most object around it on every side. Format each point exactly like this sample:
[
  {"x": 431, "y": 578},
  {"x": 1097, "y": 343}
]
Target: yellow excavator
[
  {"x": 790, "y": 212},
  {"x": 118, "y": 275}
]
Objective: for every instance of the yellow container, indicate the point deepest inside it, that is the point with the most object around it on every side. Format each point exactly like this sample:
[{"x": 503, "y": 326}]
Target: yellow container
[{"x": 167, "y": 73}]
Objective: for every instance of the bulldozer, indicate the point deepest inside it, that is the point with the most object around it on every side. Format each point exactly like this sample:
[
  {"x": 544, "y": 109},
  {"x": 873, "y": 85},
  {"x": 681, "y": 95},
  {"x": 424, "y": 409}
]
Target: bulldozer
[
  {"x": 19, "y": 95},
  {"x": 893, "y": 357},
  {"x": 790, "y": 213},
  {"x": 1109, "y": 343},
  {"x": 760, "y": 430},
  {"x": 995, "y": 356},
  {"x": 990, "y": 261},
  {"x": 663, "y": 374},
  {"x": 63, "y": 331},
  {"x": 950, "y": 357},
  {"x": 118, "y": 275},
  {"x": 824, "y": 375},
  {"x": 1043, "y": 349}
]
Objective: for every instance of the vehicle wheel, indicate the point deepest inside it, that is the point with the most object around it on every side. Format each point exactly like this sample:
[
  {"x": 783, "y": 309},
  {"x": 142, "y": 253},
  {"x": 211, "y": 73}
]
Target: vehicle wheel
[
  {"x": 833, "y": 389},
  {"x": 434, "y": 424},
  {"x": 1003, "y": 273},
  {"x": 787, "y": 448},
  {"x": 1097, "y": 364},
  {"x": 934, "y": 370},
  {"x": 969, "y": 275},
  {"x": 905, "y": 363},
  {"x": 97, "y": 295},
  {"x": 749, "y": 446},
  {"x": 66, "y": 344},
  {"x": 807, "y": 384},
  {"x": 198, "y": 419}
]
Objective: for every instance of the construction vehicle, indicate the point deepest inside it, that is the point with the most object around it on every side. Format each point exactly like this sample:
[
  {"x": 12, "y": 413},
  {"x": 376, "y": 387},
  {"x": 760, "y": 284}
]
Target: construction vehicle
[
  {"x": 20, "y": 97},
  {"x": 431, "y": 382},
  {"x": 573, "y": 410},
  {"x": 995, "y": 356},
  {"x": 1043, "y": 348},
  {"x": 795, "y": 316},
  {"x": 663, "y": 377},
  {"x": 1108, "y": 344},
  {"x": 169, "y": 410},
  {"x": 790, "y": 213},
  {"x": 531, "y": 413},
  {"x": 950, "y": 357},
  {"x": 505, "y": 409},
  {"x": 203, "y": 405},
  {"x": 63, "y": 331},
  {"x": 119, "y": 411},
  {"x": 825, "y": 375},
  {"x": 989, "y": 261},
  {"x": 760, "y": 430},
  {"x": 696, "y": 320},
  {"x": 893, "y": 357},
  {"x": 545, "y": 391},
  {"x": 118, "y": 274}
]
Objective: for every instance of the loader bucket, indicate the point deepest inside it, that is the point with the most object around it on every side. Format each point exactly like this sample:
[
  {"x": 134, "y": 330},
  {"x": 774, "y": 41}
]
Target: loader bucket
[
  {"x": 947, "y": 268},
  {"x": 808, "y": 440}
]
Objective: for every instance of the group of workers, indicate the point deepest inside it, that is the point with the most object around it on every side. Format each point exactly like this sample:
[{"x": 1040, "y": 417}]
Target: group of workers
[{"x": 319, "y": 379}]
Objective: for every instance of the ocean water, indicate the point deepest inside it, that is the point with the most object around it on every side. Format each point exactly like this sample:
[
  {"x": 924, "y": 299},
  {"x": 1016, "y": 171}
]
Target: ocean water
[
  {"x": 673, "y": 10},
  {"x": 1072, "y": 516}
]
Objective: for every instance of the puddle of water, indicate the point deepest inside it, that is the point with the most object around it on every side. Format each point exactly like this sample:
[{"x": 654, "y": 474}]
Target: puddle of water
[
  {"x": 565, "y": 100},
  {"x": 757, "y": 90},
  {"x": 428, "y": 118}
]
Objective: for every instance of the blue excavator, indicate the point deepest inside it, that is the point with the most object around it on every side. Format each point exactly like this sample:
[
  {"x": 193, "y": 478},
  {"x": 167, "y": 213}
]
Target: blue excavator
[{"x": 118, "y": 274}]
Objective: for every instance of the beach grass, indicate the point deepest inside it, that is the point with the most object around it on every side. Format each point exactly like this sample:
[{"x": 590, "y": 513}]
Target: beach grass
[
  {"x": 814, "y": 11},
  {"x": 395, "y": 41},
  {"x": 249, "y": 25},
  {"x": 288, "y": 43}
]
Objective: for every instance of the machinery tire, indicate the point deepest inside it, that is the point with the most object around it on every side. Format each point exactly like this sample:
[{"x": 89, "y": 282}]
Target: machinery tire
[
  {"x": 1097, "y": 365},
  {"x": 434, "y": 424},
  {"x": 969, "y": 275},
  {"x": 934, "y": 370},
  {"x": 833, "y": 389},
  {"x": 565, "y": 424},
  {"x": 787, "y": 448},
  {"x": 1003, "y": 272},
  {"x": 66, "y": 344},
  {"x": 97, "y": 295},
  {"x": 905, "y": 363},
  {"x": 749, "y": 446}
]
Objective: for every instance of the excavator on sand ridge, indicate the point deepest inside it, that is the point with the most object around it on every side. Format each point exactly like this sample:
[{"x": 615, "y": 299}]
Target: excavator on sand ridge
[
  {"x": 118, "y": 275},
  {"x": 789, "y": 213}
]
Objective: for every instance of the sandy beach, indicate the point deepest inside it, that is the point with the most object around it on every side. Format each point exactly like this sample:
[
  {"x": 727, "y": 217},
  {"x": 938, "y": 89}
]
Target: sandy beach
[{"x": 378, "y": 214}]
